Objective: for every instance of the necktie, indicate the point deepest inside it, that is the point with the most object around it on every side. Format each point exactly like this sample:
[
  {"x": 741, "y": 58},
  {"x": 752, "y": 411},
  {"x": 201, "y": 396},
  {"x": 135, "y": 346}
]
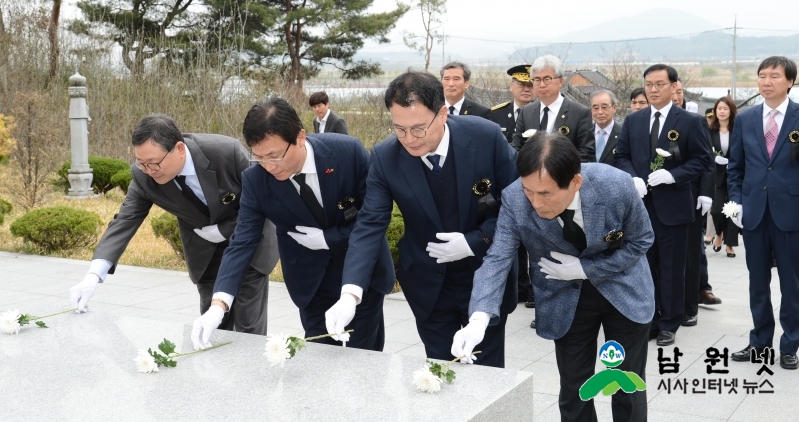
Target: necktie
[
  {"x": 433, "y": 159},
  {"x": 600, "y": 144},
  {"x": 307, "y": 195},
  {"x": 572, "y": 232},
  {"x": 451, "y": 109},
  {"x": 545, "y": 120},
  {"x": 191, "y": 196},
  {"x": 772, "y": 132},
  {"x": 517, "y": 114},
  {"x": 653, "y": 134}
]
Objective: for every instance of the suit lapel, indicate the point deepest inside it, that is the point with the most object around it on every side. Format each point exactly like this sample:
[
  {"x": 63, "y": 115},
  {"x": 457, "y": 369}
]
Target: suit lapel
[
  {"x": 328, "y": 179},
  {"x": 464, "y": 170},
  {"x": 610, "y": 144},
  {"x": 592, "y": 220},
  {"x": 207, "y": 179},
  {"x": 788, "y": 125},
  {"x": 288, "y": 195},
  {"x": 671, "y": 122},
  {"x": 715, "y": 140},
  {"x": 535, "y": 115},
  {"x": 760, "y": 136},
  {"x": 414, "y": 175},
  {"x": 563, "y": 113}
]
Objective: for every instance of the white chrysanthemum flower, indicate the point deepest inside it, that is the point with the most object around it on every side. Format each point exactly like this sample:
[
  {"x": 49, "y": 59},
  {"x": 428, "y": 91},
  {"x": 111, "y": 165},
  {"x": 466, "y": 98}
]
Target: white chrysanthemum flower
[
  {"x": 528, "y": 133},
  {"x": 730, "y": 209},
  {"x": 277, "y": 349},
  {"x": 9, "y": 322},
  {"x": 145, "y": 362},
  {"x": 663, "y": 153},
  {"x": 424, "y": 380}
]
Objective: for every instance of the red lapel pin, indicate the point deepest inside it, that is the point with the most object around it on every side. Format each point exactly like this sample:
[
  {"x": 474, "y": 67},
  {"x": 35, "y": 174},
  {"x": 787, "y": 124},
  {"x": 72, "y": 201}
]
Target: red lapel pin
[{"x": 328, "y": 171}]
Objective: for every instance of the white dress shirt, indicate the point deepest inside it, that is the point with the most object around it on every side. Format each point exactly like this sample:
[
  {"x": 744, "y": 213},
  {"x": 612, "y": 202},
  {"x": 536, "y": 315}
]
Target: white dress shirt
[
  {"x": 597, "y": 131},
  {"x": 663, "y": 113},
  {"x": 779, "y": 118},
  {"x": 441, "y": 150},
  {"x": 323, "y": 121},
  {"x": 554, "y": 109},
  {"x": 576, "y": 205},
  {"x": 311, "y": 177},
  {"x": 457, "y": 105}
]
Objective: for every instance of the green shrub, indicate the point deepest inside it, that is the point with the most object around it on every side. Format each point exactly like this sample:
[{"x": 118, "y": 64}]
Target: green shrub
[
  {"x": 103, "y": 169},
  {"x": 5, "y": 206},
  {"x": 58, "y": 228},
  {"x": 166, "y": 227},
  {"x": 395, "y": 231},
  {"x": 122, "y": 179}
]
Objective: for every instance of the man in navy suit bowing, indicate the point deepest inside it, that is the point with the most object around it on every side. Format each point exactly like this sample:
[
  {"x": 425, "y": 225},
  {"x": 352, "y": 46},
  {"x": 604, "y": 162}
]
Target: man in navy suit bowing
[
  {"x": 445, "y": 172},
  {"x": 667, "y": 190},
  {"x": 763, "y": 179},
  {"x": 310, "y": 187}
]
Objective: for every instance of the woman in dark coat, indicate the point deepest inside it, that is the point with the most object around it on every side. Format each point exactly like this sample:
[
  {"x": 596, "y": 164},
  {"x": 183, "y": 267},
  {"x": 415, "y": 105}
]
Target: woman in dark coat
[{"x": 723, "y": 119}]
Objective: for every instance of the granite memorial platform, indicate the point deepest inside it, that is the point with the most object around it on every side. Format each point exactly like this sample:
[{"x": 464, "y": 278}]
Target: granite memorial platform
[{"x": 82, "y": 369}]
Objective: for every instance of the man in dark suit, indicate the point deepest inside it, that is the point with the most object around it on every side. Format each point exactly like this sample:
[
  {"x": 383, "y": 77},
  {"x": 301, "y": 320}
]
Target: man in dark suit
[
  {"x": 667, "y": 191},
  {"x": 326, "y": 121},
  {"x": 444, "y": 172},
  {"x": 763, "y": 180},
  {"x": 197, "y": 178},
  {"x": 311, "y": 187},
  {"x": 553, "y": 112},
  {"x": 455, "y": 79},
  {"x": 568, "y": 216},
  {"x": 606, "y": 132}
]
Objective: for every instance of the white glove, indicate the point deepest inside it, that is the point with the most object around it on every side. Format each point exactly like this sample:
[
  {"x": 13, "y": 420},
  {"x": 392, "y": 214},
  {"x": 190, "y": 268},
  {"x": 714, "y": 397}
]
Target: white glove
[
  {"x": 738, "y": 220},
  {"x": 205, "y": 325},
  {"x": 210, "y": 233},
  {"x": 310, "y": 237},
  {"x": 569, "y": 268},
  {"x": 339, "y": 316},
  {"x": 640, "y": 186},
  {"x": 660, "y": 177},
  {"x": 80, "y": 293},
  {"x": 454, "y": 248},
  {"x": 465, "y": 340},
  {"x": 721, "y": 160},
  {"x": 704, "y": 203}
]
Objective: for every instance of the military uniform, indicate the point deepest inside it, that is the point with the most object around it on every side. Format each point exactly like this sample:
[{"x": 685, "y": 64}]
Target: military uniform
[{"x": 502, "y": 114}]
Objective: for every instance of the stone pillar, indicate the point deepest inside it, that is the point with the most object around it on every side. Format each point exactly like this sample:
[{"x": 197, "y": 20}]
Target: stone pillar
[{"x": 80, "y": 174}]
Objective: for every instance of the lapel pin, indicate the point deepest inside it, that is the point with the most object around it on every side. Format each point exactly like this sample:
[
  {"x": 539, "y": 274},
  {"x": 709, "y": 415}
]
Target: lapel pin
[
  {"x": 228, "y": 198},
  {"x": 562, "y": 116},
  {"x": 328, "y": 171}
]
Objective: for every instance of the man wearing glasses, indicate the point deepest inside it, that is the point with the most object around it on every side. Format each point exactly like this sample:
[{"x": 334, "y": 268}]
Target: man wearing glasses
[
  {"x": 553, "y": 112},
  {"x": 444, "y": 172},
  {"x": 197, "y": 178},
  {"x": 666, "y": 191},
  {"x": 310, "y": 187}
]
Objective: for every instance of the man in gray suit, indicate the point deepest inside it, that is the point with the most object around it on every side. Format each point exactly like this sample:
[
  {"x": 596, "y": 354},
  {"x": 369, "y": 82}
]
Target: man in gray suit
[
  {"x": 586, "y": 228},
  {"x": 197, "y": 178},
  {"x": 326, "y": 121},
  {"x": 552, "y": 112}
]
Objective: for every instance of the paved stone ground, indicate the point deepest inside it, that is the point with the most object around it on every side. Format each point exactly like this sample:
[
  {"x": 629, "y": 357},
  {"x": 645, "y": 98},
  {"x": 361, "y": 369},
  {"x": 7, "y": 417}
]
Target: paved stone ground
[{"x": 32, "y": 281}]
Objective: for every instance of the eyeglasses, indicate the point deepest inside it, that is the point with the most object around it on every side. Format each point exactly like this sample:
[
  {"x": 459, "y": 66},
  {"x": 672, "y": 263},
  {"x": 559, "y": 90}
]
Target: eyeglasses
[
  {"x": 415, "y": 131},
  {"x": 546, "y": 80},
  {"x": 256, "y": 159},
  {"x": 659, "y": 85},
  {"x": 152, "y": 166},
  {"x": 603, "y": 107}
]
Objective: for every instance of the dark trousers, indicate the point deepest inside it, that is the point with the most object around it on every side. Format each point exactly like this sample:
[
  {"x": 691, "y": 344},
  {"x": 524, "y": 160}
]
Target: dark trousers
[
  {"x": 761, "y": 242},
  {"x": 525, "y": 286},
  {"x": 248, "y": 314},
  {"x": 576, "y": 354},
  {"x": 667, "y": 258},
  {"x": 696, "y": 276},
  {"x": 450, "y": 314},
  {"x": 724, "y": 225}
]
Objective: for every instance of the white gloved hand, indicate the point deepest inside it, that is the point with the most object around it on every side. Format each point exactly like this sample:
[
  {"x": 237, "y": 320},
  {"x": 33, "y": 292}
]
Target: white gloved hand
[
  {"x": 80, "y": 293},
  {"x": 738, "y": 220},
  {"x": 569, "y": 268},
  {"x": 310, "y": 237},
  {"x": 339, "y": 316},
  {"x": 210, "y": 233},
  {"x": 704, "y": 203},
  {"x": 465, "y": 340},
  {"x": 640, "y": 186},
  {"x": 721, "y": 160},
  {"x": 454, "y": 248},
  {"x": 660, "y": 177},
  {"x": 205, "y": 325}
]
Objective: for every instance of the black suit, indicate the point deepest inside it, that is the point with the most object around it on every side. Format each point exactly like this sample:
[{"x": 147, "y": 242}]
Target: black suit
[
  {"x": 334, "y": 124},
  {"x": 471, "y": 108},
  {"x": 610, "y": 145},
  {"x": 720, "y": 222},
  {"x": 573, "y": 119}
]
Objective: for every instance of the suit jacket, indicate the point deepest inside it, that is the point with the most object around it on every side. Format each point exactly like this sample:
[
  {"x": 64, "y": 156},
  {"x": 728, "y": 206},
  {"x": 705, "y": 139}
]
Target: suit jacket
[
  {"x": 334, "y": 124},
  {"x": 705, "y": 185},
  {"x": 753, "y": 178},
  {"x": 674, "y": 203},
  {"x": 609, "y": 201},
  {"x": 480, "y": 152},
  {"x": 471, "y": 108},
  {"x": 573, "y": 118},
  {"x": 720, "y": 177},
  {"x": 610, "y": 145},
  {"x": 502, "y": 114},
  {"x": 218, "y": 161},
  {"x": 342, "y": 164}
]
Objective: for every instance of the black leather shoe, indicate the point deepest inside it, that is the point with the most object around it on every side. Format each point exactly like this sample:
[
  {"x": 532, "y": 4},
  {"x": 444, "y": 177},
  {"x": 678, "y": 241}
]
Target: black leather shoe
[
  {"x": 666, "y": 338},
  {"x": 530, "y": 302},
  {"x": 706, "y": 297},
  {"x": 689, "y": 321},
  {"x": 789, "y": 361},
  {"x": 743, "y": 355},
  {"x": 532, "y": 324}
]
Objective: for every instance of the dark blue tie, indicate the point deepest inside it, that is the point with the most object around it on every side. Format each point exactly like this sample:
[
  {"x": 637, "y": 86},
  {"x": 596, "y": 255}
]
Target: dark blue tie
[{"x": 433, "y": 159}]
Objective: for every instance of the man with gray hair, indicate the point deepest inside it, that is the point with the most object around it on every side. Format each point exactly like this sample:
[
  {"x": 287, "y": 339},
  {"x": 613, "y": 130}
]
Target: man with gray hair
[
  {"x": 455, "y": 79},
  {"x": 606, "y": 133},
  {"x": 554, "y": 112}
]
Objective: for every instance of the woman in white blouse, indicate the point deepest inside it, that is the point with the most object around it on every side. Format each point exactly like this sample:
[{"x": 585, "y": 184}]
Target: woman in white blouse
[{"x": 724, "y": 112}]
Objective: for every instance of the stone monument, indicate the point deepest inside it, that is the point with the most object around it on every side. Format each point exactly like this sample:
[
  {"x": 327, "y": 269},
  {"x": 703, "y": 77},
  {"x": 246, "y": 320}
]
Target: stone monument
[{"x": 80, "y": 174}]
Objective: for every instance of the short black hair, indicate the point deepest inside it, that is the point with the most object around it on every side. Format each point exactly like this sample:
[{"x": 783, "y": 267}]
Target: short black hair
[
  {"x": 159, "y": 128},
  {"x": 636, "y": 92},
  {"x": 274, "y": 116},
  {"x": 415, "y": 87},
  {"x": 780, "y": 61},
  {"x": 672, "y": 72},
  {"x": 318, "y": 98},
  {"x": 552, "y": 152}
]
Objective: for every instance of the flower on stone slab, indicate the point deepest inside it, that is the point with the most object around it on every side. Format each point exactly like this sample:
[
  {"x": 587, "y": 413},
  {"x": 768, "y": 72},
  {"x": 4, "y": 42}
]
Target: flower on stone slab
[
  {"x": 425, "y": 381},
  {"x": 148, "y": 360},
  {"x": 9, "y": 322},
  {"x": 145, "y": 362},
  {"x": 279, "y": 350}
]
